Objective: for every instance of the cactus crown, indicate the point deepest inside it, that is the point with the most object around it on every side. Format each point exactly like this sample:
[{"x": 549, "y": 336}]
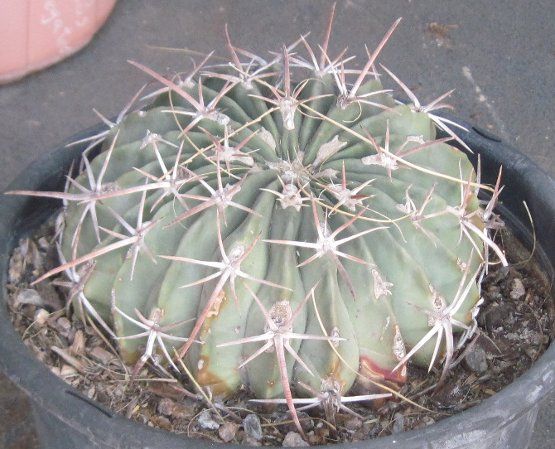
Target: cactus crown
[{"x": 300, "y": 238}]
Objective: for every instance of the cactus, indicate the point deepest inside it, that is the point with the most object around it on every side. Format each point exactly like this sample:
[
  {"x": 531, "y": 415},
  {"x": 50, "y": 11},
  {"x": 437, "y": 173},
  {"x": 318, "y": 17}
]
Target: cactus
[{"x": 301, "y": 238}]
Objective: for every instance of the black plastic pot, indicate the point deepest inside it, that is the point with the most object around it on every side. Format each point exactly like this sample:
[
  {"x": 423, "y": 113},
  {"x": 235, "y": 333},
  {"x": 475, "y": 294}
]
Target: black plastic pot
[{"x": 65, "y": 419}]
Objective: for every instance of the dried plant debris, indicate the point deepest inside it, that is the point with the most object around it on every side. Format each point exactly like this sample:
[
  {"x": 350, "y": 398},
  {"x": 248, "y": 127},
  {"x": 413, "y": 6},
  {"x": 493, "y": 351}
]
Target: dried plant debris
[
  {"x": 441, "y": 33},
  {"x": 515, "y": 326}
]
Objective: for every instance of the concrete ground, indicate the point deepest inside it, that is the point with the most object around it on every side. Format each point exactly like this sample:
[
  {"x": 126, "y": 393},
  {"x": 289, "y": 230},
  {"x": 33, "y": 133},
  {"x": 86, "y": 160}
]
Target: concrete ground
[{"x": 499, "y": 56}]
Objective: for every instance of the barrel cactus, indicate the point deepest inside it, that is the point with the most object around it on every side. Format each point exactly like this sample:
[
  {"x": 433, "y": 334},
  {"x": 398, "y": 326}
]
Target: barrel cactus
[{"x": 282, "y": 225}]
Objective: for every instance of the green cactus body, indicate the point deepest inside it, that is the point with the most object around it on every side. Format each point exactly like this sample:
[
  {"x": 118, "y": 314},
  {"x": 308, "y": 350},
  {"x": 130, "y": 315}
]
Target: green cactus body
[
  {"x": 283, "y": 237},
  {"x": 373, "y": 286}
]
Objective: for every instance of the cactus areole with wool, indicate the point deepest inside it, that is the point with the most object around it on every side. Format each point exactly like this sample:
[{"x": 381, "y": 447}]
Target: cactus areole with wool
[{"x": 280, "y": 225}]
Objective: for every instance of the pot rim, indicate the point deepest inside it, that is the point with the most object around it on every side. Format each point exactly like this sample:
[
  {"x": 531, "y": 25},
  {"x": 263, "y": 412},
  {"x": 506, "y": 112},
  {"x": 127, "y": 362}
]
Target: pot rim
[{"x": 85, "y": 416}]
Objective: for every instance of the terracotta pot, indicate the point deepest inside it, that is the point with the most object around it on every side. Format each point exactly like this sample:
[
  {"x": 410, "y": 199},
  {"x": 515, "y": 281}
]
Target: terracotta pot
[{"x": 37, "y": 33}]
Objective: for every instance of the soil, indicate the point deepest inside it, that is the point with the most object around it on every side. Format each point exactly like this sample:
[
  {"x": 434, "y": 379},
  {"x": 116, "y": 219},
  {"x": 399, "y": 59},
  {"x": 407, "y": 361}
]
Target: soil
[{"x": 515, "y": 326}]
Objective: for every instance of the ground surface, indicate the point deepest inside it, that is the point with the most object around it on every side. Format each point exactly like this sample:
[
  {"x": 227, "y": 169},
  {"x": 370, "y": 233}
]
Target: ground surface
[{"x": 498, "y": 55}]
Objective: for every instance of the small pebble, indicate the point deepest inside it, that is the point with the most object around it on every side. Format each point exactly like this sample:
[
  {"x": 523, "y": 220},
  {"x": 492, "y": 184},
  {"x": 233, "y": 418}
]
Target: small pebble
[
  {"x": 476, "y": 360},
  {"x": 517, "y": 290},
  {"x": 398, "y": 423},
  {"x": 206, "y": 421},
  {"x": 28, "y": 296},
  {"x": 227, "y": 431},
  {"x": 166, "y": 406},
  {"x": 252, "y": 427},
  {"x": 101, "y": 355},
  {"x": 41, "y": 316},
  {"x": 178, "y": 410},
  {"x": 68, "y": 371},
  {"x": 63, "y": 325},
  {"x": 294, "y": 439},
  {"x": 161, "y": 422}
]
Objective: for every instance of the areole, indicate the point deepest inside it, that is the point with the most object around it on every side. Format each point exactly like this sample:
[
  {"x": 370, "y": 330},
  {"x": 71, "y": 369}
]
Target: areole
[{"x": 66, "y": 419}]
